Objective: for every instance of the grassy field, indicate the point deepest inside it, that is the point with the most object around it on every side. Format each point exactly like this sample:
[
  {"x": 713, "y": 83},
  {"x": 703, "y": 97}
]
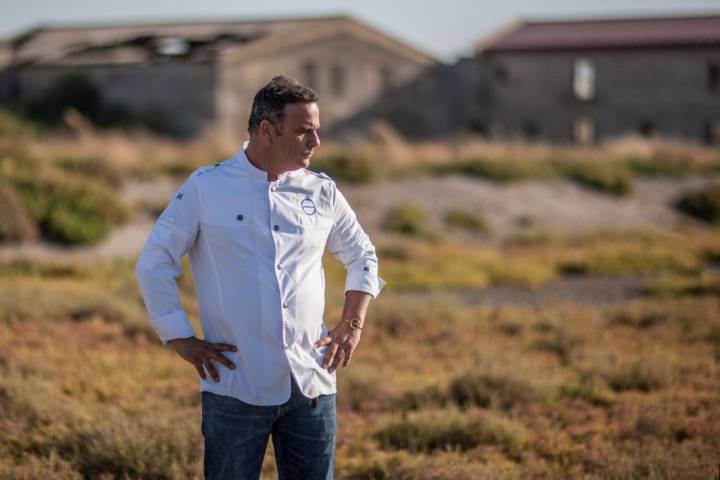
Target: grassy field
[
  {"x": 438, "y": 389},
  {"x": 441, "y": 387}
]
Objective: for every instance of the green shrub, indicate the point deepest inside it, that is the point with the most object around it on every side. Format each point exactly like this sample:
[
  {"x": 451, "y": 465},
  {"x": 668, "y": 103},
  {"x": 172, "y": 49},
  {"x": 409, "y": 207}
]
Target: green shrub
[
  {"x": 68, "y": 208},
  {"x": 560, "y": 342},
  {"x": 609, "y": 178},
  {"x": 452, "y": 430},
  {"x": 499, "y": 170},
  {"x": 406, "y": 219},
  {"x": 703, "y": 203},
  {"x": 14, "y": 126},
  {"x": 590, "y": 388},
  {"x": 632, "y": 262},
  {"x": 674, "y": 286},
  {"x": 95, "y": 168},
  {"x": 488, "y": 389},
  {"x": 466, "y": 221},
  {"x": 347, "y": 166},
  {"x": 662, "y": 165},
  {"x": 644, "y": 374}
]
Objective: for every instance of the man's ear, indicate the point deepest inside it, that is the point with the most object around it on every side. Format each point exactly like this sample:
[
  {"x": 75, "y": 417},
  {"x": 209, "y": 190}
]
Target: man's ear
[{"x": 267, "y": 131}]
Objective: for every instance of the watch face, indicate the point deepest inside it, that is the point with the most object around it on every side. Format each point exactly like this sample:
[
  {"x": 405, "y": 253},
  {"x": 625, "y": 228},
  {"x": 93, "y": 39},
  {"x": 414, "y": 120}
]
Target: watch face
[{"x": 355, "y": 323}]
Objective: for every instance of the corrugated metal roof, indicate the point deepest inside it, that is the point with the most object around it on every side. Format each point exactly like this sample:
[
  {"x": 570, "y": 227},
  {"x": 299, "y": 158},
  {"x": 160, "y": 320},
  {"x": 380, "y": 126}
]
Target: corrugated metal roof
[{"x": 607, "y": 34}]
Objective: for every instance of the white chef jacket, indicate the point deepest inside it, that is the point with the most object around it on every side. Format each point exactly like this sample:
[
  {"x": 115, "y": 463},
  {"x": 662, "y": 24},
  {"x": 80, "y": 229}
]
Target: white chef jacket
[{"x": 255, "y": 248}]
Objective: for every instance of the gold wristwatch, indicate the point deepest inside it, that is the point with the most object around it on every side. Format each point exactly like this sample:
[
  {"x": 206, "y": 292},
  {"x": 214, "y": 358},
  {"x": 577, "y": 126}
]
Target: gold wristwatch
[{"x": 355, "y": 323}]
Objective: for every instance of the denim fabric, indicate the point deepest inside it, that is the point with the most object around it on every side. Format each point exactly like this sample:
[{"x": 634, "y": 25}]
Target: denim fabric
[{"x": 236, "y": 435}]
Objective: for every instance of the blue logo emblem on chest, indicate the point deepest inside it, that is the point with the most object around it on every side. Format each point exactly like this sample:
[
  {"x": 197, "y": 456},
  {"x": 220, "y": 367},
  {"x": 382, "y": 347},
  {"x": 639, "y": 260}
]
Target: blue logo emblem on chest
[{"x": 308, "y": 206}]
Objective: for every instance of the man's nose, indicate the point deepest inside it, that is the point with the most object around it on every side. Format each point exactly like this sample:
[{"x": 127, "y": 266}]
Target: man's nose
[{"x": 315, "y": 140}]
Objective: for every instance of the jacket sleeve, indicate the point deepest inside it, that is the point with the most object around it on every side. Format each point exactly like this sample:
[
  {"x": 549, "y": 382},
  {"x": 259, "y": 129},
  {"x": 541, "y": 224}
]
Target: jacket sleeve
[
  {"x": 351, "y": 245},
  {"x": 159, "y": 263}
]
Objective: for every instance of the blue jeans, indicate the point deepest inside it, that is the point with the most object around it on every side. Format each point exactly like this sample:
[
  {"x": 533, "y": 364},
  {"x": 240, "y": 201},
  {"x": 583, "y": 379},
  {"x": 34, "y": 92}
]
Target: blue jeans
[{"x": 236, "y": 436}]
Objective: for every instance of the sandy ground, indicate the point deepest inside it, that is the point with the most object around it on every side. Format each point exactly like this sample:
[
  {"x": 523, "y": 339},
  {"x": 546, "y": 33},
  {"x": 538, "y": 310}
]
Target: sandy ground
[{"x": 554, "y": 207}]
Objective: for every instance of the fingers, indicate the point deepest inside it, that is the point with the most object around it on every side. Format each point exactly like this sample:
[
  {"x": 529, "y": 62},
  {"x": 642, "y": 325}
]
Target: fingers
[
  {"x": 348, "y": 356},
  {"x": 336, "y": 360},
  {"x": 323, "y": 341},
  {"x": 201, "y": 371},
  {"x": 224, "y": 347},
  {"x": 210, "y": 352},
  {"x": 211, "y": 369},
  {"x": 329, "y": 355}
]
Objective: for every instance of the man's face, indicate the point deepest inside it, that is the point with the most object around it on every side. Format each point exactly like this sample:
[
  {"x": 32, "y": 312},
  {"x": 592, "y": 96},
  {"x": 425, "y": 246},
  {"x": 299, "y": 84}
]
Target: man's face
[{"x": 299, "y": 138}]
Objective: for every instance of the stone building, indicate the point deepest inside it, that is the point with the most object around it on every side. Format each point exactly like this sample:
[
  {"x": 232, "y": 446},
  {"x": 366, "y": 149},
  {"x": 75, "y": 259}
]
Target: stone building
[
  {"x": 568, "y": 81},
  {"x": 585, "y": 81},
  {"x": 204, "y": 74}
]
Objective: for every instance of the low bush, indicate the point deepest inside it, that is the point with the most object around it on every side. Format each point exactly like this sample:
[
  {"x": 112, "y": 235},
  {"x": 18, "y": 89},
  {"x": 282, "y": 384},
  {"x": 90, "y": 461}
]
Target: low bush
[
  {"x": 451, "y": 429},
  {"x": 609, "y": 178},
  {"x": 406, "y": 219},
  {"x": 466, "y": 220},
  {"x": 703, "y": 203},
  {"x": 631, "y": 261},
  {"x": 499, "y": 169},
  {"x": 590, "y": 388},
  {"x": 347, "y": 166},
  {"x": 485, "y": 389},
  {"x": 645, "y": 374},
  {"x": 67, "y": 208}
]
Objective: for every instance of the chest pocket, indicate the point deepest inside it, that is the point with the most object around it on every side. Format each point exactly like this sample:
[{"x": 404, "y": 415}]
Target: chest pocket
[
  {"x": 315, "y": 231},
  {"x": 229, "y": 229}
]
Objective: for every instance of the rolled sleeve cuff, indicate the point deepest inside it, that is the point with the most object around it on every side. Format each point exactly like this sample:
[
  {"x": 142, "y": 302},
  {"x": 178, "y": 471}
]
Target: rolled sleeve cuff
[
  {"x": 364, "y": 282},
  {"x": 173, "y": 325}
]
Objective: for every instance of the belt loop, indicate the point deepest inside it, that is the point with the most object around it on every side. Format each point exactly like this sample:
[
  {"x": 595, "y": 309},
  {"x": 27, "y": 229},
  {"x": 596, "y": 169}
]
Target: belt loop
[{"x": 313, "y": 402}]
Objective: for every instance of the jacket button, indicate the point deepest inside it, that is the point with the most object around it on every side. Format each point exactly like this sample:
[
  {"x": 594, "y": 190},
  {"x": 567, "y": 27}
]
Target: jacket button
[
  {"x": 366, "y": 269},
  {"x": 276, "y": 227},
  {"x": 240, "y": 218},
  {"x": 279, "y": 267},
  {"x": 285, "y": 305}
]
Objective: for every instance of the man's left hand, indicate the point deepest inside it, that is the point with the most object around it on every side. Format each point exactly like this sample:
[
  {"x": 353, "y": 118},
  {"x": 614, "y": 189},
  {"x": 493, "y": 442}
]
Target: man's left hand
[{"x": 343, "y": 340}]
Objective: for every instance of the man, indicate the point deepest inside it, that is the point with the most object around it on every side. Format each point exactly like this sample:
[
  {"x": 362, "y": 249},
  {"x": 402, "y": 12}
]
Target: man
[{"x": 255, "y": 228}]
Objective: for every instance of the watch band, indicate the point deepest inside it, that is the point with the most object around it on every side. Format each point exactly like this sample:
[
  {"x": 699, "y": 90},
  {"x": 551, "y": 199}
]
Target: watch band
[{"x": 355, "y": 323}]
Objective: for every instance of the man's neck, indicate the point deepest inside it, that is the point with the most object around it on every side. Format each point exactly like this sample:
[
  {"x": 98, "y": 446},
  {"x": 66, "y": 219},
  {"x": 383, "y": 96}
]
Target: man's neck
[{"x": 262, "y": 162}]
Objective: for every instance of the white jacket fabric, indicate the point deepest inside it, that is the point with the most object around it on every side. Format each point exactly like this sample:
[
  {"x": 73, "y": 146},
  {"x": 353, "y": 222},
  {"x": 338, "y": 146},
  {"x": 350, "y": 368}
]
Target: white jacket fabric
[{"x": 255, "y": 248}]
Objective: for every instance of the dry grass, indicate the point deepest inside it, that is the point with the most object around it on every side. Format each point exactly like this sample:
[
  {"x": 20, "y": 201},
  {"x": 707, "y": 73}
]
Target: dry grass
[{"x": 438, "y": 389}]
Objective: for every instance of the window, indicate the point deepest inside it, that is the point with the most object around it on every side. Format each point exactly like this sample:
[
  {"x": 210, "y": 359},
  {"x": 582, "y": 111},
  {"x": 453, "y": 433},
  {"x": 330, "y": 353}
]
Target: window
[
  {"x": 309, "y": 74},
  {"x": 712, "y": 131},
  {"x": 172, "y": 46},
  {"x": 530, "y": 130},
  {"x": 337, "y": 80},
  {"x": 584, "y": 130},
  {"x": 646, "y": 128},
  {"x": 713, "y": 76},
  {"x": 501, "y": 74},
  {"x": 386, "y": 77},
  {"x": 583, "y": 79}
]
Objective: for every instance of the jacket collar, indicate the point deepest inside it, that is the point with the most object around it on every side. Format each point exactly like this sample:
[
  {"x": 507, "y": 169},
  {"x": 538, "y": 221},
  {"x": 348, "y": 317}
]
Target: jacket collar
[{"x": 243, "y": 162}]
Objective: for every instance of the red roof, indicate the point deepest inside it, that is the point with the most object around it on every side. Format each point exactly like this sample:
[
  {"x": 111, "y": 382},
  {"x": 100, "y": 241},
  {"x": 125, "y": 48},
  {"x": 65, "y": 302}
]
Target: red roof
[{"x": 608, "y": 34}]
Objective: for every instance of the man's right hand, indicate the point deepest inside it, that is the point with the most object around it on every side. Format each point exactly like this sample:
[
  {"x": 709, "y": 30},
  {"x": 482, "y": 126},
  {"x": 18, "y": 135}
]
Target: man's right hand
[{"x": 200, "y": 353}]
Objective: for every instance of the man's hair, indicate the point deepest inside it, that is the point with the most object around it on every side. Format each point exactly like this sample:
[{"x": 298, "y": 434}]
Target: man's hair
[{"x": 269, "y": 102}]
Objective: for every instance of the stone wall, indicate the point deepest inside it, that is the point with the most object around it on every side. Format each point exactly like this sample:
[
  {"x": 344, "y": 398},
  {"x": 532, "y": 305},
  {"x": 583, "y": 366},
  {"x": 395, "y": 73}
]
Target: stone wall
[
  {"x": 182, "y": 94},
  {"x": 663, "y": 92}
]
